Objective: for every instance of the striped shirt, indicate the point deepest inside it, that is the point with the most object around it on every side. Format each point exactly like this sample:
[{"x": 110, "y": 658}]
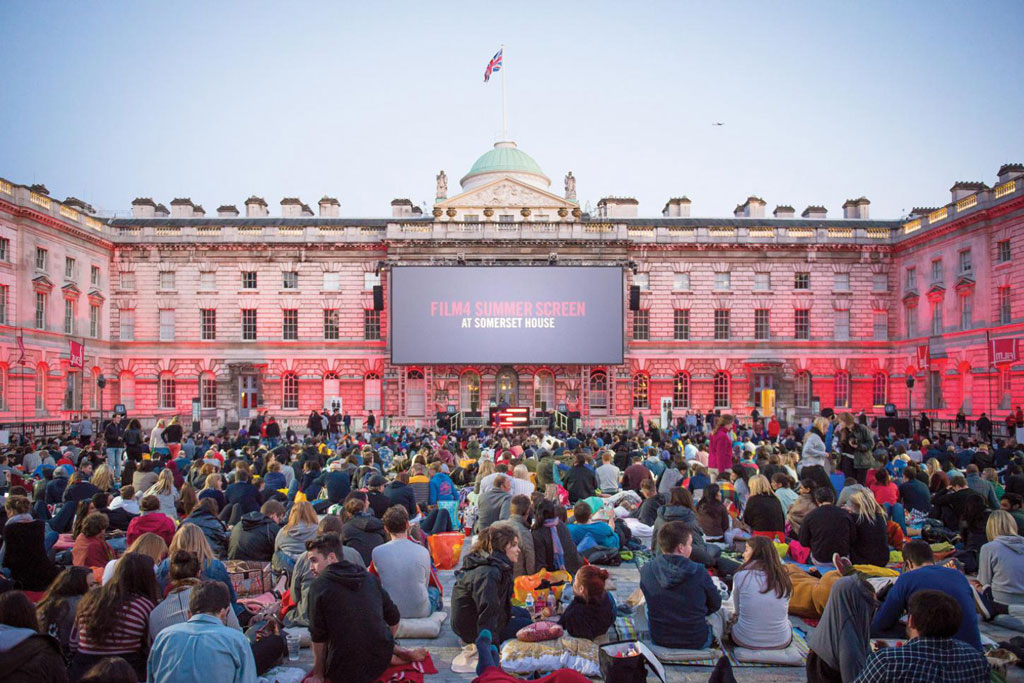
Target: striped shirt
[{"x": 129, "y": 635}]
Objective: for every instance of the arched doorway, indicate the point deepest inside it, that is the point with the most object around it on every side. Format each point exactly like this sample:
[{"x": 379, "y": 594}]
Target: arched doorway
[
  {"x": 506, "y": 387},
  {"x": 415, "y": 393}
]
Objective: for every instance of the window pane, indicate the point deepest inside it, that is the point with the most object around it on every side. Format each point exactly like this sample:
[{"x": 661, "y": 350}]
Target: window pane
[
  {"x": 762, "y": 325},
  {"x": 681, "y": 324},
  {"x": 721, "y": 324},
  {"x": 371, "y": 325},
  {"x": 802, "y": 323},
  {"x": 290, "y": 330},
  {"x": 641, "y": 325},
  {"x": 842, "y": 325},
  {"x": 291, "y": 280}
]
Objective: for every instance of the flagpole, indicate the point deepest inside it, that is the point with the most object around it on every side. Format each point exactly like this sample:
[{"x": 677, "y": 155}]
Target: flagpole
[
  {"x": 991, "y": 372},
  {"x": 504, "y": 119}
]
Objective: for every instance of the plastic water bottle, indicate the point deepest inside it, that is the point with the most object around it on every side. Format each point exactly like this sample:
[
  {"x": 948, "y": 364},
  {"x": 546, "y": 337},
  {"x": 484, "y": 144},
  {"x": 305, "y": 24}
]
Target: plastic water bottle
[
  {"x": 529, "y": 603},
  {"x": 551, "y": 601}
]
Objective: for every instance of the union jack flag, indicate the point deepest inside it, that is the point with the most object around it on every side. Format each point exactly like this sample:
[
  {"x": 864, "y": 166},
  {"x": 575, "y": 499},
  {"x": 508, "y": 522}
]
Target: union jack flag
[{"x": 493, "y": 65}]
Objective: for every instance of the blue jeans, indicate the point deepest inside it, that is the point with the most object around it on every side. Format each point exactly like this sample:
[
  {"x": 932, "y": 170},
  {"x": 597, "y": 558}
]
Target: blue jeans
[
  {"x": 518, "y": 619},
  {"x": 436, "y": 601},
  {"x": 118, "y": 544},
  {"x": 897, "y": 514},
  {"x": 114, "y": 460}
]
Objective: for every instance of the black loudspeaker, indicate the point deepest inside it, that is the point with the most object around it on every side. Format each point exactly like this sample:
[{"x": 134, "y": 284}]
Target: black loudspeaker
[
  {"x": 890, "y": 410},
  {"x": 634, "y": 298},
  {"x": 900, "y": 424},
  {"x": 378, "y": 298}
]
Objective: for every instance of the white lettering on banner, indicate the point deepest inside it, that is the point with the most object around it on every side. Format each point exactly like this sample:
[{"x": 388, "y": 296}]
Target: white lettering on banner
[{"x": 509, "y": 323}]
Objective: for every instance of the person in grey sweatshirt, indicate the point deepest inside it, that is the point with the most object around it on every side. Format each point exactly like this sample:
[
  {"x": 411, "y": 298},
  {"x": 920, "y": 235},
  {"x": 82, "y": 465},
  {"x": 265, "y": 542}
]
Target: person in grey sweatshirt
[
  {"x": 290, "y": 542},
  {"x": 1001, "y": 560}
]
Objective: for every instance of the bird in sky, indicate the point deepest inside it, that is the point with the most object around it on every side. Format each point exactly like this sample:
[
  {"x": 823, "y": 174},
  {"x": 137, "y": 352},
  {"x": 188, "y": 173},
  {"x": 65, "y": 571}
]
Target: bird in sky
[{"x": 717, "y": 123}]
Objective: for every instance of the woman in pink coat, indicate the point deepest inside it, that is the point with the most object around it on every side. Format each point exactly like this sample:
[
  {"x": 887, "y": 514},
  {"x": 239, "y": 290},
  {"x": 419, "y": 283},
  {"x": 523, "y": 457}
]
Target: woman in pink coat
[{"x": 721, "y": 445}]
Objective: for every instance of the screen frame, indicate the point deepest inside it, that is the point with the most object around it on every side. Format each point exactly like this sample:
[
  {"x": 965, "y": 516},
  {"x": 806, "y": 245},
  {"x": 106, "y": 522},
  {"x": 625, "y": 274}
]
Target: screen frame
[{"x": 623, "y": 292}]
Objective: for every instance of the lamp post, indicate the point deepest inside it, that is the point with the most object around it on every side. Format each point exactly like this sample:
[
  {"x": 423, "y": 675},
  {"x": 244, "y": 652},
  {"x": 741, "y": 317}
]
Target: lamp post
[
  {"x": 910, "y": 404},
  {"x": 101, "y": 382}
]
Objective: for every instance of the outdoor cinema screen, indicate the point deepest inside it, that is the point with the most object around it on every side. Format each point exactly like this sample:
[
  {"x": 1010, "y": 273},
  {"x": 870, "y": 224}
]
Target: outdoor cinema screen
[{"x": 506, "y": 314}]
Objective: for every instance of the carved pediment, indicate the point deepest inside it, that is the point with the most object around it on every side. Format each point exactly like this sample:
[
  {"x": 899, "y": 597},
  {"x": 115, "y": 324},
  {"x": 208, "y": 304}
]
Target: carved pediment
[{"x": 506, "y": 192}]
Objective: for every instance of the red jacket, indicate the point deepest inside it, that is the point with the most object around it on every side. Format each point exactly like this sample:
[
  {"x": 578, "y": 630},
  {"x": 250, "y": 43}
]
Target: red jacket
[
  {"x": 151, "y": 522},
  {"x": 91, "y": 552}
]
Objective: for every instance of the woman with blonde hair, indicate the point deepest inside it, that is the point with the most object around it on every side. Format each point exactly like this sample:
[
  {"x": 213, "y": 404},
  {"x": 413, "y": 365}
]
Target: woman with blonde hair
[
  {"x": 148, "y": 544},
  {"x": 486, "y": 467},
  {"x": 165, "y": 491},
  {"x": 191, "y": 538},
  {"x": 763, "y": 512},
  {"x": 1001, "y": 560},
  {"x": 291, "y": 539},
  {"x": 103, "y": 478},
  {"x": 157, "y": 446},
  {"x": 870, "y": 543},
  {"x": 214, "y": 489}
]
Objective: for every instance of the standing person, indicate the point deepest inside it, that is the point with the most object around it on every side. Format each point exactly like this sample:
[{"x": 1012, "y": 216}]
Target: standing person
[
  {"x": 857, "y": 445},
  {"x": 313, "y": 424},
  {"x": 761, "y": 592},
  {"x": 114, "y": 619},
  {"x": 720, "y": 454},
  {"x": 347, "y": 421},
  {"x": 352, "y": 620},
  {"x": 133, "y": 441},
  {"x": 172, "y": 437},
  {"x": 157, "y": 445},
  {"x": 482, "y": 595},
  {"x": 85, "y": 432},
  {"x": 371, "y": 422},
  {"x": 114, "y": 443},
  {"x": 814, "y": 457},
  {"x": 204, "y": 642}
]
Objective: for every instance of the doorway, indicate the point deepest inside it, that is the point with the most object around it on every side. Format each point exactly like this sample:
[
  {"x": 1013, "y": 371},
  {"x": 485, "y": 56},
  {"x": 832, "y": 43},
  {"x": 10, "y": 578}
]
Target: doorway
[
  {"x": 248, "y": 396},
  {"x": 506, "y": 387}
]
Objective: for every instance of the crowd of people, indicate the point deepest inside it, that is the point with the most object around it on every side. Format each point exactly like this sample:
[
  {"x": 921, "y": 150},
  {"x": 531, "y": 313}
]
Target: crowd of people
[{"x": 117, "y": 552}]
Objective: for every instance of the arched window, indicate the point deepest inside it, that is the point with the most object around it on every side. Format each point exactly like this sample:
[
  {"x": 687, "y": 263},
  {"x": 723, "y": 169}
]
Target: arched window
[
  {"x": 640, "y": 390},
  {"x": 415, "y": 393},
  {"x": 290, "y": 391},
  {"x": 598, "y": 391},
  {"x": 721, "y": 385},
  {"x": 371, "y": 391},
  {"x": 126, "y": 386},
  {"x": 168, "y": 391},
  {"x": 802, "y": 390},
  {"x": 681, "y": 390},
  {"x": 40, "y": 386},
  {"x": 880, "y": 390},
  {"x": 544, "y": 391},
  {"x": 842, "y": 387},
  {"x": 208, "y": 390},
  {"x": 469, "y": 392},
  {"x": 3, "y": 387}
]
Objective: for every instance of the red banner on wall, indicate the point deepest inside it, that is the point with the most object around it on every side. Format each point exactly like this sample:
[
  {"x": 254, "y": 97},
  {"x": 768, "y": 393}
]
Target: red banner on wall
[
  {"x": 1003, "y": 351},
  {"x": 923, "y": 357},
  {"x": 77, "y": 354}
]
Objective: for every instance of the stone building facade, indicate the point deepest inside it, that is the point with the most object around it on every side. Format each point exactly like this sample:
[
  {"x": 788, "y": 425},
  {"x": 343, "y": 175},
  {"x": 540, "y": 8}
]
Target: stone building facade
[{"x": 245, "y": 311}]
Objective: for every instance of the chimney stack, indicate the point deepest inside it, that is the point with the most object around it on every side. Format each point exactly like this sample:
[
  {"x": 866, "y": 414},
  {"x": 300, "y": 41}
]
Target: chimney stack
[
  {"x": 76, "y": 203},
  {"x": 752, "y": 208},
  {"x": 1008, "y": 172},
  {"x": 227, "y": 211},
  {"x": 784, "y": 211},
  {"x": 963, "y": 189},
  {"x": 856, "y": 208},
  {"x": 401, "y": 208},
  {"x": 198, "y": 211},
  {"x": 329, "y": 207},
  {"x": 256, "y": 207},
  {"x": 677, "y": 207},
  {"x": 291, "y": 207},
  {"x": 182, "y": 207},
  {"x": 161, "y": 211},
  {"x": 617, "y": 207},
  {"x": 817, "y": 212},
  {"x": 143, "y": 207}
]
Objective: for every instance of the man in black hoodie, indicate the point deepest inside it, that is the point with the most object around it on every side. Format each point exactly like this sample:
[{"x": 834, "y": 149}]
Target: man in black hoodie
[
  {"x": 400, "y": 492},
  {"x": 253, "y": 537},
  {"x": 352, "y": 620}
]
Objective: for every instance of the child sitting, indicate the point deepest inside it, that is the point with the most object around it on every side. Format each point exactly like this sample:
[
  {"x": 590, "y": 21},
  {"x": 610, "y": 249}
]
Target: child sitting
[{"x": 592, "y": 610}]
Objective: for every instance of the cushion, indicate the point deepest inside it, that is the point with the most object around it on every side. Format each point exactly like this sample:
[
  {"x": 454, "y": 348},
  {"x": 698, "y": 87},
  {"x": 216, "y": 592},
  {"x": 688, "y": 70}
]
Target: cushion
[
  {"x": 424, "y": 627},
  {"x": 578, "y": 654},
  {"x": 539, "y": 631},
  {"x": 789, "y": 656},
  {"x": 674, "y": 655}
]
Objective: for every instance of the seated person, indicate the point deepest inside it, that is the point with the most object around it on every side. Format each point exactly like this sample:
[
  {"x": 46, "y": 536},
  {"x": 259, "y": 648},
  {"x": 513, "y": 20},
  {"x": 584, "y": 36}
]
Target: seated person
[
  {"x": 24, "y": 549},
  {"x": 763, "y": 512},
  {"x": 123, "y": 509},
  {"x": 581, "y": 528},
  {"x": 761, "y": 592},
  {"x": 948, "y": 506},
  {"x": 679, "y": 592},
  {"x": 647, "y": 513},
  {"x": 1012, "y": 502},
  {"x": 934, "y": 651},
  {"x": 302, "y": 575},
  {"x": 870, "y": 543},
  {"x": 91, "y": 548},
  {"x": 404, "y": 569},
  {"x": 607, "y": 474},
  {"x": 151, "y": 520},
  {"x": 592, "y": 610},
  {"x": 254, "y": 536},
  {"x": 841, "y": 642},
  {"x": 827, "y": 530},
  {"x": 482, "y": 596},
  {"x": 914, "y": 493},
  {"x": 1001, "y": 560},
  {"x": 921, "y": 573}
]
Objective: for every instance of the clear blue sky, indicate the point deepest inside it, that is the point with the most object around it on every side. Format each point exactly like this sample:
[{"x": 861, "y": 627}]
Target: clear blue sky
[{"x": 367, "y": 101}]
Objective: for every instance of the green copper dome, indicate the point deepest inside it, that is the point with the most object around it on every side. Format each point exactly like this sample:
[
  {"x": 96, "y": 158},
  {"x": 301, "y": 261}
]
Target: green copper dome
[{"x": 505, "y": 158}]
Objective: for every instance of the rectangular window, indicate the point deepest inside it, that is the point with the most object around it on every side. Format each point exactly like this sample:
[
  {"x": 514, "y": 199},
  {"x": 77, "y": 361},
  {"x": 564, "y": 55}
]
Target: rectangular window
[
  {"x": 802, "y": 323},
  {"x": 966, "y": 264},
  {"x": 801, "y": 281},
  {"x": 40, "y": 259},
  {"x": 248, "y": 324},
  {"x": 290, "y": 280},
  {"x": 40, "y": 389},
  {"x": 332, "y": 320},
  {"x": 72, "y": 391},
  {"x": 94, "y": 276},
  {"x": 934, "y": 389},
  {"x": 911, "y": 280},
  {"x": 126, "y": 318},
  {"x": 842, "y": 326},
  {"x": 69, "y": 316},
  {"x": 5, "y": 249},
  {"x": 881, "y": 326},
  {"x": 937, "y": 270},
  {"x": 507, "y": 218},
  {"x": 879, "y": 282},
  {"x": 721, "y": 324},
  {"x": 1004, "y": 306},
  {"x": 841, "y": 282},
  {"x": 643, "y": 281},
  {"x": 332, "y": 282},
  {"x": 723, "y": 282},
  {"x": 208, "y": 281},
  {"x": 167, "y": 280},
  {"x": 371, "y": 325},
  {"x": 641, "y": 325},
  {"x": 1003, "y": 255},
  {"x": 966, "y": 310},
  {"x": 910, "y": 314},
  {"x": 40, "y": 311},
  {"x": 937, "y": 318},
  {"x": 69, "y": 268},
  {"x": 471, "y": 218},
  {"x": 681, "y": 324},
  {"x": 370, "y": 280},
  {"x": 5, "y": 294},
  {"x": 166, "y": 324},
  {"x": 208, "y": 324},
  {"x": 94, "y": 322},
  {"x": 167, "y": 393},
  {"x": 371, "y": 393},
  {"x": 762, "y": 324},
  {"x": 762, "y": 282},
  {"x": 249, "y": 279},
  {"x": 290, "y": 326},
  {"x": 128, "y": 281},
  {"x": 208, "y": 391},
  {"x": 681, "y": 282}
]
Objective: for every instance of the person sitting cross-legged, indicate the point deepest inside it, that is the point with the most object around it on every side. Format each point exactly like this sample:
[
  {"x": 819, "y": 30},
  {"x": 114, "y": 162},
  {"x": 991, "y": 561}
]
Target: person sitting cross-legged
[
  {"x": 404, "y": 568},
  {"x": 599, "y": 533},
  {"x": 933, "y": 652}
]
